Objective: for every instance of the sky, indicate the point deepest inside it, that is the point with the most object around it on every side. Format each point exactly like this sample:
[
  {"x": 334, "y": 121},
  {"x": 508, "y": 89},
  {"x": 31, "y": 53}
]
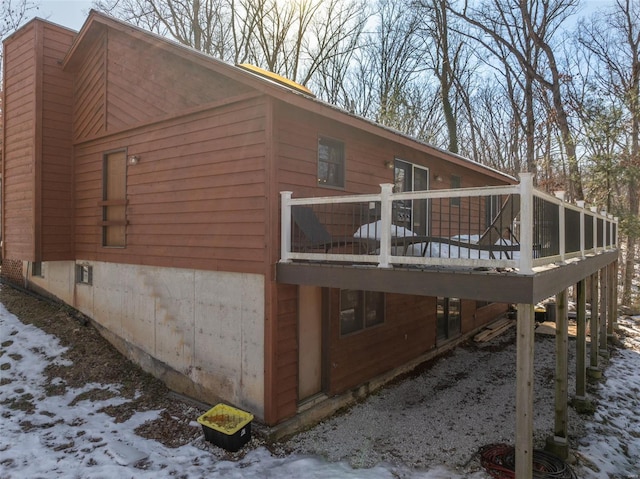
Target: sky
[
  {"x": 55, "y": 440},
  {"x": 68, "y": 13},
  {"x": 73, "y": 13}
]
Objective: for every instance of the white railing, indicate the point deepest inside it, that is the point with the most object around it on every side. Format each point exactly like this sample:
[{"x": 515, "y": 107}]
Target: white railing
[{"x": 445, "y": 228}]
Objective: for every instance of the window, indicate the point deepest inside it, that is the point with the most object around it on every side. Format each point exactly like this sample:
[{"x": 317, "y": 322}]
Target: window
[
  {"x": 36, "y": 269},
  {"x": 114, "y": 202},
  {"x": 360, "y": 310},
  {"x": 84, "y": 274},
  {"x": 448, "y": 318},
  {"x": 330, "y": 163},
  {"x": 456, "y": 182},
  {"x": 412, "y": 214}
]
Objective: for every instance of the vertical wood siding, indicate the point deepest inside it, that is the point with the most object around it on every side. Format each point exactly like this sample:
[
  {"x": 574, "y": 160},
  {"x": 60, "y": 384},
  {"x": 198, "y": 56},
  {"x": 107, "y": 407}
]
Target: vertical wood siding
[{"x": 18, "y": 208}]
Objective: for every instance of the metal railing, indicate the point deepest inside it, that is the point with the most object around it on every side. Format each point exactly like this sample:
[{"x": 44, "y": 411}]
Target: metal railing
[{"x": 512, "y": 226}]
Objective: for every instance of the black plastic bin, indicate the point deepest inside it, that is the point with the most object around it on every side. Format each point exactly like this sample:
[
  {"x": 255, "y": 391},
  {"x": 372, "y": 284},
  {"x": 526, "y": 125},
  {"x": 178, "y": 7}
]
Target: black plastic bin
[{"x": 226, "y": 427}]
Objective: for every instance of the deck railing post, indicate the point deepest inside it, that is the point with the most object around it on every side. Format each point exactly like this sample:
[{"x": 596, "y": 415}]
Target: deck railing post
[
  {"x": 594, "y": 210},
  {"x": 615, "y": 229},
  {"x": 285, "y": 226},
  {"x": 610, "y": 216},
  {"x": 604, "y": 229},
  {"x": 561, "y": 226},
  {"x": 526, "y": 223},
  {"x": 580, "y": 204},
  {"x": 386, "y": 189}
]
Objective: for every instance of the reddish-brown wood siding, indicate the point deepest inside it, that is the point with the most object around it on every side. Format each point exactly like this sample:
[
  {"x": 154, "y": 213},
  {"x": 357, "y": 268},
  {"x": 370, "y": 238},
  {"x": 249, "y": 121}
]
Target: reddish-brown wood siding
[
  {"x": 486, "y": 314},
  {"x": 89, "y": 109},
  {"x": 357, "y": 358},
  {"x": 19, "y": 147},
  {"x": 195, "y": 200},
  {"x": 37, "y": 206},
  {"x": 285, "y": 354},
  {"x": 409, "y": 330},
  {"x": 122, "y": 82},
  {"x": 57, "y": 160},
  {"x": 365, "y": 156}
]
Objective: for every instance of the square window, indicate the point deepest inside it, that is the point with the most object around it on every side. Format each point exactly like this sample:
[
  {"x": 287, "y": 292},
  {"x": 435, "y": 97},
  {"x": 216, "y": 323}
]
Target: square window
[
  {"x": 360, "y": 310},
  {"x": 36, "y": 269},
  {"x": 84, "y": 274},
  {"x": 330, "y": 163}
]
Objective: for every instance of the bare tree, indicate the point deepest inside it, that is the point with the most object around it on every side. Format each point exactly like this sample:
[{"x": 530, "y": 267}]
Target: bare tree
[
  {"x": 448, "y": 59},
  {"x": 613, "y": 39},
  {"x": 390, "y": 62},
  {"x": 293, "y": 39},
  {"x": 526, "y": 29}
]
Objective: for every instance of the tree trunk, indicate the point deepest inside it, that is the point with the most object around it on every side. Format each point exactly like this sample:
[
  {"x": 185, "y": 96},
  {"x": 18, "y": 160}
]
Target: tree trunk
[
  {"x": 450, "y": 118},
  {"x": 630, "y": 260}
]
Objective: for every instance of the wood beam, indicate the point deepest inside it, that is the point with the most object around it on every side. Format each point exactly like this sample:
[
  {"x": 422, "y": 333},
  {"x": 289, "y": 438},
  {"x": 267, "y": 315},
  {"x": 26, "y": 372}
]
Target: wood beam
[
  {"x": 524, "y": 391},
  {"x": 581, "y": 340},
  {"x": 602, "y": 332},
  {"x": 494, "y": 286},
  {"x": 594, "y": 370},
  {"x": 558, "y": 443},
  {"x": 612, "y": 309}
]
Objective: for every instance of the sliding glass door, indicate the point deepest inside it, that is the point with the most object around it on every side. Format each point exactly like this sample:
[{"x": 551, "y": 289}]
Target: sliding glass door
[{"x": 411, "y": 214}]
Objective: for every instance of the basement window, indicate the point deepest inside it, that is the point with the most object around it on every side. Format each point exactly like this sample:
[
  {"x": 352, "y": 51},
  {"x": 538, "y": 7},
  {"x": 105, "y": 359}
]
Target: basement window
[
  {"x": 37, "y": 270},
  {"x": 448, "y": 318},
  {"x": 360, "y": 310},
  {"x": 84, "y": 274}
]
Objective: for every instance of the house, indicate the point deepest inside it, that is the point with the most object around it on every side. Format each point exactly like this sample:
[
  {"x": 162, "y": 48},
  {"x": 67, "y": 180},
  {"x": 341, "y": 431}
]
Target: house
[{"x": 145, "y": 184}]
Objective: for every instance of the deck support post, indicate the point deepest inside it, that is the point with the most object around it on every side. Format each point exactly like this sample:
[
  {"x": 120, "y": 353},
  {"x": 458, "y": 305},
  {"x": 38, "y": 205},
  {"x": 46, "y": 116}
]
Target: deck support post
[
  {"x": 526, "y": 223},
  {"x": 615, "y": 294},
  {"x": 594, "y": 371},
  {"x": 580, "y": 400},
  {"x": 524, "y": 391},
  {"x": 612, "y": 308},
  {"x": 604, "y": 303},
  {"x": 558, "y": 444}
]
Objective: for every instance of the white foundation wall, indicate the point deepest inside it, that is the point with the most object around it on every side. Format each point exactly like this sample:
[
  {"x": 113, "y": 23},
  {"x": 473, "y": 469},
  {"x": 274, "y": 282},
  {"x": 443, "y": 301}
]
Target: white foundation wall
[
  {"x": 205, "y": 325},
  {"x": 58, "y": 278}
]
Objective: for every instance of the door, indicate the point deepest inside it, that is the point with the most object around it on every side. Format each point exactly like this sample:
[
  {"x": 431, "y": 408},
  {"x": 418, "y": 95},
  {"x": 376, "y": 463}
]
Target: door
[
  {"x": 309, "y": 342},
  {"x": 411, "y": 214},
  {"x": 448, "y": 318}
]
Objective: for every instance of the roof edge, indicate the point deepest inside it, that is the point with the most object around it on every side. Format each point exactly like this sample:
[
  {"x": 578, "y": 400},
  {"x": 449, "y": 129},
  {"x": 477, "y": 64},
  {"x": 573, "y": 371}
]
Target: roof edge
[{"x": 280, "y": 91}]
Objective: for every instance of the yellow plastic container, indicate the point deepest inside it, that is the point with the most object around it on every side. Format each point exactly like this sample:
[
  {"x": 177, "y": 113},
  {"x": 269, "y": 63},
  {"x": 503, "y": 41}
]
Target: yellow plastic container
[{"x": 226, "y": 427}]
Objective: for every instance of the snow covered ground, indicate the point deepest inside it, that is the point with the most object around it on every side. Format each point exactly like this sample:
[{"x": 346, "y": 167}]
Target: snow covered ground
[{"x": 45, "y": 436}]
